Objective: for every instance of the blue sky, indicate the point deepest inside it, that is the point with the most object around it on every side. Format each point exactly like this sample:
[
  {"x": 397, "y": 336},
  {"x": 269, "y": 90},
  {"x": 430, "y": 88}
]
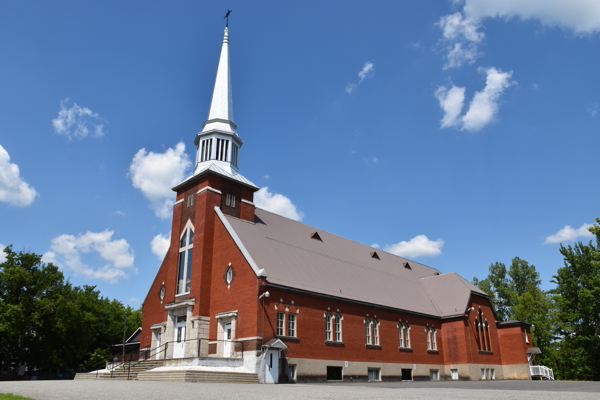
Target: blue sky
[{"x": 454, "y": 133}]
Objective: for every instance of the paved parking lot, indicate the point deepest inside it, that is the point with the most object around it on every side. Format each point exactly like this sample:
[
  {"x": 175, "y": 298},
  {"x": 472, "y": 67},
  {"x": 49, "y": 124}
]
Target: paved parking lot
[{"x": 497, "y": 390}]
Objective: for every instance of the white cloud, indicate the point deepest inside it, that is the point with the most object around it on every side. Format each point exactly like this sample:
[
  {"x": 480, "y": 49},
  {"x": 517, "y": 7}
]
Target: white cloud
[
  {"x": 277, "y": 203},
  {"x": 2, "y": 254},
  {"x": 593, "y": 109},
  {"x": 367, "y": 70},
  {"x": 266, "y": 177},
  {"x": 415, "y": 45},
  {"x": 461, "y": 33},
  {"x": 119, "y": 212},
  {"x": 118, "y": 256},
  {"x": 160, "y": 244},
  {"x": 375, "y": 245},
  {"x": 49, "y": 257},
  {"x": 452, "y": 101},
  {"x": 13, "y": 189},
  {"x": 156, "y": 173},
  {"x": 579, "y": 16},
  {"x": 77, "y": 121},
  {"x": 461, "y": 38},
  {"x": 483, "y": 107},
  {"x": 134, "y": 300},
  {"x": 569, "y": 233},
  {"x": 419, "y": 246},
  {"x": 535, "y": 86}
]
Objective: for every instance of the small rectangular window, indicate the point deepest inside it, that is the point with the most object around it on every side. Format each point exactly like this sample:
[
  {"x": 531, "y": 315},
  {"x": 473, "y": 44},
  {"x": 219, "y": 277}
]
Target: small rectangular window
[
  {"x": 454, "y": 374},
  {"x": 280, "y": 323},
  {"x": 334, "y": 374},
  {"x": 374, "y": 374},
  {"x": 232, "y": 201},
  {"x": 376, "y": 333},
  {"x": 292, "y": 325},
  {"x": 407, "y": 374},
  {"x": 482, "y": 373},
  {"x": 292, "y": 372},
  {"x": 228, "y": 200},
  {"x": 368, "y": 331},
  {"x": 493, "y": 373},
  {"x": 434, "y": 374}
]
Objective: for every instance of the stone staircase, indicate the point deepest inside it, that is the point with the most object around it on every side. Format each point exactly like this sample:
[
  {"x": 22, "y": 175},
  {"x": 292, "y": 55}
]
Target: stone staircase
[
  {"x": 123, "y": 372},
  {"x": 142, "y": 371},
  {"x": 199, "y": 376}
]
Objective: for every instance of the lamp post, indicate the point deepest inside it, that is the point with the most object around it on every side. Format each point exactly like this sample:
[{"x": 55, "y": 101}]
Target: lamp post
[{"x": 124, "y": 333}]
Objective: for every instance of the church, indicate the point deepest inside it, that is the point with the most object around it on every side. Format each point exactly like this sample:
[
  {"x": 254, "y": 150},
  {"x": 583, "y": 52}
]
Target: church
[{"x": 243, "y": 287}]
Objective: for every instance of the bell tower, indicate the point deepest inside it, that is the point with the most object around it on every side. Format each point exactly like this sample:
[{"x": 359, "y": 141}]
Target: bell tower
[{"x": 218, "y": 142}]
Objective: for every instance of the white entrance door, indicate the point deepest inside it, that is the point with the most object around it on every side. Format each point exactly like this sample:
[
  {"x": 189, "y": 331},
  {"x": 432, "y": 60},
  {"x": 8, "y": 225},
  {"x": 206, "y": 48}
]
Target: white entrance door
[
  {"x": 157, "y": 349},
  {"x": 272, "y": 366},
  {"x": 179, "y": 345},
  {"x": 227, "y": 343}
]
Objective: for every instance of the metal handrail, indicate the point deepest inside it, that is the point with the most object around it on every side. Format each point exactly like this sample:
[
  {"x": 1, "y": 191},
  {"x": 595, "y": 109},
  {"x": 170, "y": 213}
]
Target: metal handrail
[{"x": 541, "y": 371}]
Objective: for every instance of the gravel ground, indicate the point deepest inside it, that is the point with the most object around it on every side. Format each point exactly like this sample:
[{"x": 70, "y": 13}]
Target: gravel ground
[{"x": 148, "y": 390}]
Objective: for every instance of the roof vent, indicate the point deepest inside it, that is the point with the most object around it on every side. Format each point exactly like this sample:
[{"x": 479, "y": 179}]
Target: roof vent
[
  {"x": 436, "y": 273},
  {"x": 407, "y": 266},
  {"x": 315, "y": 235},
  {"x": 375, "y": 255}
]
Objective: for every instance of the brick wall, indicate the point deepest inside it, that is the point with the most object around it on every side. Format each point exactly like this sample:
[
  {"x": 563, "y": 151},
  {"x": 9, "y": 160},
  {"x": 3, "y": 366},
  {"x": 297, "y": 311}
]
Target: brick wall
[
  {"x": 242, "y": 294},
  {"x": 512, "y": 344}
]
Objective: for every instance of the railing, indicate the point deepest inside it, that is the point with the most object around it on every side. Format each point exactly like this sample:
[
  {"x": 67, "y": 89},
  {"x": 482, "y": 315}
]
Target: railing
[
  {"x": 541, "y": 371},
  {"x": 203, "y": 348}
]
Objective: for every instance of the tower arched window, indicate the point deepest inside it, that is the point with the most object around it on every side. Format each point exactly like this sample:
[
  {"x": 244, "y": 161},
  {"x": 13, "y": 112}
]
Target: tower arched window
[{"x": 184, "y": 272}]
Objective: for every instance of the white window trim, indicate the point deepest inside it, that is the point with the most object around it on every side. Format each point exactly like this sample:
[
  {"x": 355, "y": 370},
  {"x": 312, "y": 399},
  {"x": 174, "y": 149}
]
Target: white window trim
[
  {"x": 295, "y": 324},
  {"x": 184, "y": 250},
  {"x": 277, "y": 323},
  {"x": 338, "y": 318},
  {"x": 377, "y": 341},
  {"x": 328, "y": 327},
  {"x": 369, "y": 334}
]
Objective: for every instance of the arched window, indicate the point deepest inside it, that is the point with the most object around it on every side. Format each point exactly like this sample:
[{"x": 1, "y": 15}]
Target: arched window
[
  {"x": 338, "y": 327},
  {"x": 328, "y": 327},
  {"x": 184, "y": 272},
  {"x": 404, "y": 335},
  {"x": 229, "y": 275}
]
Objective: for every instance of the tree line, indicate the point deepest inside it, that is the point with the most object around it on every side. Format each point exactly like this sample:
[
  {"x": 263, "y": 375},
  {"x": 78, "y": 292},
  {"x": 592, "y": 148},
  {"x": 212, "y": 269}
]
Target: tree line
[
  {"x": 566, "y": 318},
  {"x": 48, "y": 324}
]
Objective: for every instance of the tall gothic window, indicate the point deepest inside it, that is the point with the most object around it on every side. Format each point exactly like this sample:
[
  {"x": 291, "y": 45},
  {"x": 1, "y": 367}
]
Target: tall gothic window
[
  {"x": 328, "y": 334},
  {"x": 184, "y": 272},
  {"x": 404, "y": 334}
]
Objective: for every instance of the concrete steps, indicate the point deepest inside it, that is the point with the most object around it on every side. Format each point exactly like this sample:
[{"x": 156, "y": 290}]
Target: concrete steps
[
  {"x": 199, "y": 376},
  {"x": 124, "y": 371}
]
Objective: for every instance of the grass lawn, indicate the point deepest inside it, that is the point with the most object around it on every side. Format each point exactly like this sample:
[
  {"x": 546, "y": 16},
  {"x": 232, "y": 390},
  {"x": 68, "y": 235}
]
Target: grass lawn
[{"x": 8, "y": 396}]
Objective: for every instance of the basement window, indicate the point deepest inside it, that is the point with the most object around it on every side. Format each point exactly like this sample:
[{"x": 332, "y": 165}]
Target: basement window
[
  {"x": 334, "y": 374},
  {"x": 374, "y": 374},
  {"x": 315, "y": 235},
  {"x": 375, "y": 255},
  {"x": 406, "y": 374}
]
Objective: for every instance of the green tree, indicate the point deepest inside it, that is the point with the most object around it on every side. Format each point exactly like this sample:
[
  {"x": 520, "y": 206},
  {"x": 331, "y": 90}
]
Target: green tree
[
  {"x": 47, "y": 323},
  {"x": 578, "y": 301}
]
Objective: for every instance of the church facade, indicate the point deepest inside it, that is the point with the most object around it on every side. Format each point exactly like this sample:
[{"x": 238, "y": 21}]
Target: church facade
[{"x": 294, "y": 303}]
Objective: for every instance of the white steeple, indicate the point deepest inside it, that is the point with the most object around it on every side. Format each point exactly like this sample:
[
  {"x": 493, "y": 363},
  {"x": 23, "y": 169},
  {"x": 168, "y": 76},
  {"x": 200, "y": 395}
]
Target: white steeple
[
  {"x": 221, "y": 106},
  {"x": 218, "y": 143}
]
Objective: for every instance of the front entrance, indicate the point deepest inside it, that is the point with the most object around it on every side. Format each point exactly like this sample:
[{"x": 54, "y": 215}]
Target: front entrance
[
  {"x": 157, "y": 335},
  {"x": 272, "y": 366},
  {"x": 227, "y": 342},
  {"x": 179, "y": 345}
]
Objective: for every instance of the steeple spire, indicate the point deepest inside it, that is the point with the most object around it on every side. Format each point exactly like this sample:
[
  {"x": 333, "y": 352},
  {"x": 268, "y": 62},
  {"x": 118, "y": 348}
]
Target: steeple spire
[
  {"x": 219, "y": 143},
  {"x": 221, "y": 106}
]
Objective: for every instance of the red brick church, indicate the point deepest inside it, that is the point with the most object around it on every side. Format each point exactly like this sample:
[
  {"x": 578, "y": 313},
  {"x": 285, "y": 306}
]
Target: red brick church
[{"x": 292, "y": 302}]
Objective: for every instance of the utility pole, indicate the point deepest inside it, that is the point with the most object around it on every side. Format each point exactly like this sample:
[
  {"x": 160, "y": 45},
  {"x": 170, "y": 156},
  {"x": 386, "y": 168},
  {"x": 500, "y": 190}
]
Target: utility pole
[{"x": 124, "y": 332}]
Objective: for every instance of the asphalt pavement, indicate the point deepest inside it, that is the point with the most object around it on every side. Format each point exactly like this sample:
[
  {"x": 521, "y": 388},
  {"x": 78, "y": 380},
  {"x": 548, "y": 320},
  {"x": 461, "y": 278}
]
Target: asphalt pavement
[{"x": 151, "y": 390}]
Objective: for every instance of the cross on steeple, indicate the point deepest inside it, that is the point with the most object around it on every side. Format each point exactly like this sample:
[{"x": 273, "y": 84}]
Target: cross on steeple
[{"x": 227, "y": 17}]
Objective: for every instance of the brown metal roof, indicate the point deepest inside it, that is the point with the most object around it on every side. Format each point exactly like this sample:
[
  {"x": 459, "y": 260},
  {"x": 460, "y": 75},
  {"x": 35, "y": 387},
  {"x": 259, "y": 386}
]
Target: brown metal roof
[{"x": 343, "y": 268}]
